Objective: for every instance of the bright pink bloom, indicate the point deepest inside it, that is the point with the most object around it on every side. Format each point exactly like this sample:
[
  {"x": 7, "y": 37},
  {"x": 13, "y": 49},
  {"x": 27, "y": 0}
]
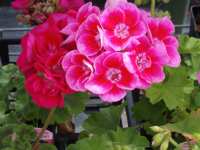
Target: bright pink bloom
[
  {"x": 43, "y": 92},
  {"x": 26, "y": 60},
  {"x": 21, "y": 4},
  {"x": 198, "y": 77},
  {"x": 162, "y": 29},
  {"x": 71, "y": 29},
  {"x": 70, "y": 4},
  {"x": 88, "y": 36},
  {"x": 40, "y": 61},
  {"x": 78, "y": 69},
  {"x": 121, "y": 24},
  {"x": 113, "y": 3},
  {"x": 147, "y": 61},
  {"x": 111, "y": 79}
]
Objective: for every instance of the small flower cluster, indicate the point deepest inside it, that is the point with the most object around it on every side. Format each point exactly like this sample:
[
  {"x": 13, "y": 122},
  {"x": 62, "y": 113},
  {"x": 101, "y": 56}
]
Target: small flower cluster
[
  {"x": 106, "y": 53},
  {"x": 37, "y": 11}
]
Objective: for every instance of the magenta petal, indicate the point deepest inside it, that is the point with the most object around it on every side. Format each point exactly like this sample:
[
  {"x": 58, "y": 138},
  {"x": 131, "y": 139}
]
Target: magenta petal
[
  {"x": 166, "y": 25},
  {"x": 114, "y": 3},
  {"x": 154, "y": 74},
  {"x": 128, "y": 59},
  {"x": 113, "y": 60},
  {"x": 98, "y": 63},
  {"x": 128, "y": 81},
  {"x": 171, "y": 40},
  {"x": 111, "y": 17},
  {"x": 158, "y": 53},
  {"x": 131, "y": 12},
  {"x": 88, "y": 45},
  {"x": 98, "y": 84},
  {"x": 139, "y": 29},
  {"x": 74, "y": 73},
  {"x": 114, "y": 95},
  {"x": 175, "y": 58},
  {"x": 66, "y": 62}
]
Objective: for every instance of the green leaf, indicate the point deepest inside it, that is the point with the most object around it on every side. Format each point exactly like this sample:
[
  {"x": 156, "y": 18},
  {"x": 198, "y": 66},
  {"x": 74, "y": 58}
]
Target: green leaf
[
  {"x": 121, "y": 139},
  {"x": 106, "y": 119},
  {"x": 75, "y": 103},
  {"x": 188, "y": 127},
  {"x": 145, "y": 111},
  {"x": 16, "y": 136},
  {"x": 47, "y": 147},
  {"x": 174, "y": 90},
  {"x": 189, "y": 45}
]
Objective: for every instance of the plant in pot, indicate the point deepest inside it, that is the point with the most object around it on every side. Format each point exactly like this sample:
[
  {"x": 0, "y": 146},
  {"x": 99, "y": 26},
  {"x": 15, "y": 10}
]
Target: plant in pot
[{"x": 107, "y": 53}]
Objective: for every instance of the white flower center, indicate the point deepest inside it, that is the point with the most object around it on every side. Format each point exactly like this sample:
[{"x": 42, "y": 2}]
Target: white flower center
[
  {"x": 121, "y": 31},
  {"x": 143, "y": 61},
  {"x": 114, "y": 75}
]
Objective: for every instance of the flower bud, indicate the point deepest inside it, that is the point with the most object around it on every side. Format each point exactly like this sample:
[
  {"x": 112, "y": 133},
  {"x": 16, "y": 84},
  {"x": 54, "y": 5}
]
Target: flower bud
[
  {"x": 157, "y": 139},
  {"x": 156, "y": 129}
]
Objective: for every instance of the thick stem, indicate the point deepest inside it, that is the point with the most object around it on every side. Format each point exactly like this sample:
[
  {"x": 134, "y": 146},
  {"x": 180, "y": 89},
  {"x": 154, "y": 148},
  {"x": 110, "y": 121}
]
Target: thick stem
[
  {"x": 153, "y": 6},
  {"x": 48, "y": 120}
]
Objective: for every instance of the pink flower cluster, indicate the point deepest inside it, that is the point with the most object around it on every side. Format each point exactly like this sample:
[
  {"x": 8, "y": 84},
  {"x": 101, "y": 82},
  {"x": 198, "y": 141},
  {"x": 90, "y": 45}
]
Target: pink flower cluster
[{"x": 106, "y": 53}]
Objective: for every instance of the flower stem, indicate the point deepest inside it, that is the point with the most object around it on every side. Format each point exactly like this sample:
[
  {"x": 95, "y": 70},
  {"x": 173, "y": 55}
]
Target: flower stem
[
  {"x": 153, "y": 5},
  {"x": 37, "y": 141}
]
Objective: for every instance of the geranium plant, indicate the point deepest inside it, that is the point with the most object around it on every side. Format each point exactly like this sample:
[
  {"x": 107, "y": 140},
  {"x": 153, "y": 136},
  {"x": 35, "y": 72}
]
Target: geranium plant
[{"x": 107, "y": 53}]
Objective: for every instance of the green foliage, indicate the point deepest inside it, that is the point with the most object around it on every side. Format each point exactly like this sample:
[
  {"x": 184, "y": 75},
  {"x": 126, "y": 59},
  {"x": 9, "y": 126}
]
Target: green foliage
[
  {"x": 174, "y": 90},
  {"x": 145, "y": 111},
  {"x": 16, "y": 137},
  {"x": 106, "y": 119},
  {"x": 189, "y": 126},
  {"x": 47, "y": 147},
  {"x": 144, "y": 2},
  {"x": 121, "y": 139},
  {"x": 189, "y": 45}
]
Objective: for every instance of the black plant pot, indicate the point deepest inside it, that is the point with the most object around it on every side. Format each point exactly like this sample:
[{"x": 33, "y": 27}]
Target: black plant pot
[{"x": 195, "y": 21}]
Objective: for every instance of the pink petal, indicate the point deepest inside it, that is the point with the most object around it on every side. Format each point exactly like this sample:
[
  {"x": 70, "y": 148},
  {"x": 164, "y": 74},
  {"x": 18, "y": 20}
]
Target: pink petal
[
  {"x": 154, "y": 74},
  {"x": 198, "y": 77},
  {"x": 175, "y": 58},
  {"x": 98, "y": 84},
  {"x": 86, "y": 10},
  {"x": 98, "y": 62},
  {"x": 172, "y": 41},
  {"x": 158, "y": 53},
  {"x": 139, "y": 29},
  {"x": 166, "y": 27},
  {"x": 114, "y": 95},
  {"x": 128, "y": 81},
  {"x": 66, "y": 62},
  {"x": 88, "y": 45},
  {"x": 74, "y": 73},
  {"x": 114, "y": 3},
  {"x": 131, "y": 13},
  {"x": 113, "y": 60},
  {"x": 111, "y": 17},
  {"x": 129, "y": 62}
]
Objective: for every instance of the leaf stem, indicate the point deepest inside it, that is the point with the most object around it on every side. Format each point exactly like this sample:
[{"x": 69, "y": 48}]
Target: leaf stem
[
  {"x": 153, "y": 5},
  {"x": 174, "y": 142},
  {"x": 37, "y": 141}
]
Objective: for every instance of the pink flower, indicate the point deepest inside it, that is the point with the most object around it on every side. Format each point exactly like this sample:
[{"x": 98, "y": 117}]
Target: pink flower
[
  {"x": 147, "y": 61},
  {"x": 26, "y": 60},
  {"x": 78, "y": 69},
  {"x": 71, "y": 29},
  {"x": 40, "y": 61},
  {"x": 198, "y": 77},
  {"x": 88, "y": 36},
  {"x": 162, "y": 29},
  {"x": 21, "y": 4},
  {"x": 121, "y": 24},
  {"x": 113, "y": 3},
  {"x": 70, "y": 4},
  {"x": 43, "y": 92},
  {"x": 111, "y": 79}
]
